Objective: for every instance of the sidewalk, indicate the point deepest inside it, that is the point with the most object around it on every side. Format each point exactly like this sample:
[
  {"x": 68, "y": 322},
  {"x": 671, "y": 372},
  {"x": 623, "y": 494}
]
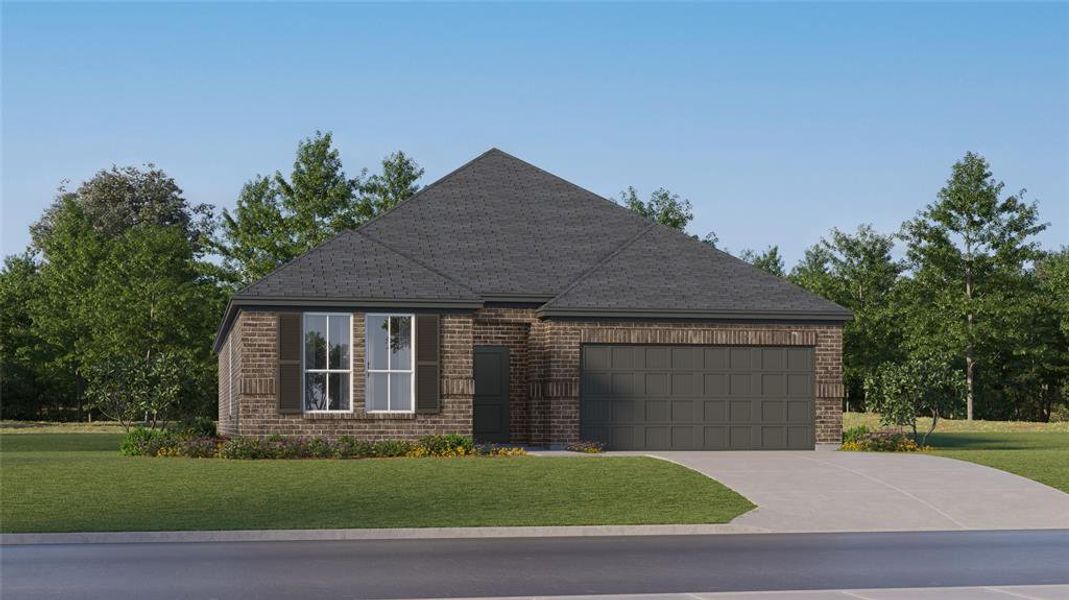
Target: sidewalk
[{"x": 1025, "y": 592}]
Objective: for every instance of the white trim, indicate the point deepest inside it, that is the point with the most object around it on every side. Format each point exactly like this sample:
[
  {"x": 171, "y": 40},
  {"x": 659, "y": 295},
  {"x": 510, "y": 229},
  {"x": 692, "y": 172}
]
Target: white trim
[
  {"x": 328, "y": 370},
  {"x": 411, "y": 370}
]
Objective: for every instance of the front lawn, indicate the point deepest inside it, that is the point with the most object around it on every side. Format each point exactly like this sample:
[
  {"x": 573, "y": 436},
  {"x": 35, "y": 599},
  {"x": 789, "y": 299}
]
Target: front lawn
[
  {"x": 1041, "y": 456},
  {"x": 79, "y": 482},
  {"x": 1038, "y": 451}
]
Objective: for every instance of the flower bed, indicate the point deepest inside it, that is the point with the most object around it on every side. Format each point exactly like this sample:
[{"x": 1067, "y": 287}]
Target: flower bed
[
  {"x": 167, "y": 442},
  {"x": 862, "y": 439}
]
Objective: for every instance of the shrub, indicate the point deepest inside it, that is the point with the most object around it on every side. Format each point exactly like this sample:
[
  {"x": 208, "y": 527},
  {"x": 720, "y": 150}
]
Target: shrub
[
  {"x": 885, "y": 440},
  {"x": 445, "y": 445},
  {"x": 141, "y": 441},
  {"x": 495, "y": 450},
  {"x": 348, "y": 447},
  {"x": 202, "y": 447},
  {"x": 921, "y": 385},
  {"x": 855, "y": 434},
  {"x": 317, "y": 448},
  {"x": 586, "y": 447},
  {"x": 391, "y": 448},
  {"x": 243, "y": 448},
  {"x": 197, "y": 427}
]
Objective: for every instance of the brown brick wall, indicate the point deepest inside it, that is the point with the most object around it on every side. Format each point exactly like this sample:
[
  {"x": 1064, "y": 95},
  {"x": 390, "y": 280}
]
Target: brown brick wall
[
  {"x": 257, "y": 337},
  {"x": 510, "y": 327},
  {"x": 544, "y": 361}
]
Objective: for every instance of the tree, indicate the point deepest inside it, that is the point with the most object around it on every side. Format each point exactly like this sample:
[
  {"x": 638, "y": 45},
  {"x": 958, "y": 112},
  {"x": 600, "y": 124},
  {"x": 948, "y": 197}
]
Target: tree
[
  {"x": 397, "y": 182},
  {"x": 856, "y": 270},
  {"x": 663, "y": 207},
  {"x": 123, "y": 197},
  {"x": 901, "y": 392},
  {"x": 966, "y": 253},
  {"x": 128, "y": 390},
  {"x": 110, "y": 283},
  {"x": 768, "y": 261},
  {"x": 149, "y": 300},
  {"x": 278, "y": 218},
  {"x": 25, "y": 387}
]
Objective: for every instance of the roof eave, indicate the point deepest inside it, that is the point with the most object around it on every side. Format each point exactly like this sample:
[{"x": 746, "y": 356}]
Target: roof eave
[
  {"x": 712, "y": 315},
  {"x": 237, "y": 303}
]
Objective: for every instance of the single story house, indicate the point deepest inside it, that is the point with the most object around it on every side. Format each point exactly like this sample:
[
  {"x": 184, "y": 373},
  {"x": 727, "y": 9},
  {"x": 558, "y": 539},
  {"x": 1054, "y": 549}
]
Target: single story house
[{"x": 505, "y": 303}]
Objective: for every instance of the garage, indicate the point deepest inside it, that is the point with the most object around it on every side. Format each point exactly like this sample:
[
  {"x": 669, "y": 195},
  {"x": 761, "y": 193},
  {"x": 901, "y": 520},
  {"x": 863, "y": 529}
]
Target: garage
[{"x": 656, "y": 397}]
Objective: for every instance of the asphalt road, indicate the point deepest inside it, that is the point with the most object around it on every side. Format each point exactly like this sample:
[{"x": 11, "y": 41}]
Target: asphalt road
[{"x": 543, "y": 566}]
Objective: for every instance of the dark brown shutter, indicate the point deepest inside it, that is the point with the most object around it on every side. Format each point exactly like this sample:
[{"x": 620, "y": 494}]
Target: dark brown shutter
[
  {"x": 427, "y": 369},
  {"x": 289, "y": 363}
]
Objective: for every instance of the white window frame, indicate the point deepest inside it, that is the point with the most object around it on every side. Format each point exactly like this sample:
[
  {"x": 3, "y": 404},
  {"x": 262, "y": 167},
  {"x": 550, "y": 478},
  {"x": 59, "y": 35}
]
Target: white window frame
[
  {"x": 305, "y": 370},
  {"x": 411, "y": 370}
]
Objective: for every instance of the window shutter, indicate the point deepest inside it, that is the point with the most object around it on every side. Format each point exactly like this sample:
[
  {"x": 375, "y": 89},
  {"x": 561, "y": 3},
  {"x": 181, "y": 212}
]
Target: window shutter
[
  {"x": 289, "y": 363},
  {"x": 427, "y": 364}
]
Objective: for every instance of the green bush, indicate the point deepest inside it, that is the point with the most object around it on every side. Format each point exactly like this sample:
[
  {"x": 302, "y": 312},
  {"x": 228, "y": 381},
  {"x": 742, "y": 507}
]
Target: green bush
[
  {"x": 885, "y": 440},
  {"x": 196, "y": 427},
  {"x": 585, "y": 447},
  {"x": 141, "y": 441},
  {"x": 447, "y": 445},
  {"x": 243, "y": 448},
  {"x": 349, "y": 447},
  {"x": 855, "y": 434},
  {"x": 391, "y": 448}
]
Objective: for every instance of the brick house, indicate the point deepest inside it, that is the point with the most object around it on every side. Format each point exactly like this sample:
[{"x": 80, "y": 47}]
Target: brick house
[{"x": 506, "y": 303}]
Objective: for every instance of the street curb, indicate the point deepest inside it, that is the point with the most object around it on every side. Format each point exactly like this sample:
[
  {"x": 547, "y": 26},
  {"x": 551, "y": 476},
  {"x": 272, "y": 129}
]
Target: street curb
[{"x": 312, "y": 535}]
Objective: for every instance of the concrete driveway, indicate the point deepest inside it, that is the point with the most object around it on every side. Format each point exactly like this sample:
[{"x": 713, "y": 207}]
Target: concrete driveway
[{"x": 856, "y": 491}]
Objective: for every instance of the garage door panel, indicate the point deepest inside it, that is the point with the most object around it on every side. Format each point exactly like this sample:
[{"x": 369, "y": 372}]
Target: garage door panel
[
  {"x": 697, "y": 397},
  {"x": 799, "y": 385},
  {"x": 716, "y": 359},
  {"x": 773, "y": 384},
  {"x": 716, "y": 384},
  {"x": 715, "y": 411},
  {"x": 657, "y": 384},
  {"x": 683, "y": 384},
  {"x": 683, "y": 411}
]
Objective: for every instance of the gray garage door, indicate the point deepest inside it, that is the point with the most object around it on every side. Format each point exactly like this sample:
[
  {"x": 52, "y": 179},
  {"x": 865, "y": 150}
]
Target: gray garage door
[{"x": 697, "y": 397}]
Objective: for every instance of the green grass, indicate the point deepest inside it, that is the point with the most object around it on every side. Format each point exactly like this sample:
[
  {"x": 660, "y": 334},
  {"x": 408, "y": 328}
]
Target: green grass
[
  {"x": 79, "y": 482},
  {"x": 1040, "y": 456},
  {"x": 1038, "y": 451}
]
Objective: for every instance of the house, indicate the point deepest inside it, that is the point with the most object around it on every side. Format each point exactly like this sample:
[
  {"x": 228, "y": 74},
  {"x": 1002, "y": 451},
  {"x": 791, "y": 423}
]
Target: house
[{"x": 506, "y": 303}]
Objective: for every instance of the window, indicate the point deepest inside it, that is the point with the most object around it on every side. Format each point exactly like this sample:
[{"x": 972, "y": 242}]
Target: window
[
  {"x": 390, "y": 360},
  {"x": 327, "y": 362}
]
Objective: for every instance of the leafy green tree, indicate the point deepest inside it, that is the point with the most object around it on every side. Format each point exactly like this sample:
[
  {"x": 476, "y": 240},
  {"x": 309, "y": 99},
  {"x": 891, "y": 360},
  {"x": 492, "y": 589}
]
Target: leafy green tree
[
  {"x": 926, "y": 386},
  {"x": 397, "y": 182},
  {"x": 150, "y": 300},
  {"x": 123, "y": 197},
  {"x": 967, "y": 252},
  {"x": 25, "y": 387},
  {"x": 857, "y": 271},
  {"x": 278, "y": 218},
  {"x": 664, "y": 207},
  {"x": 768, "y": 261},
  {"x": 129, "y": 390}
]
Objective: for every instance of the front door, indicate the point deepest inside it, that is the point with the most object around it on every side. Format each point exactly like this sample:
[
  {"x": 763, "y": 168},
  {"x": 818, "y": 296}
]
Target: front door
[{"x": 491, "y": 409}]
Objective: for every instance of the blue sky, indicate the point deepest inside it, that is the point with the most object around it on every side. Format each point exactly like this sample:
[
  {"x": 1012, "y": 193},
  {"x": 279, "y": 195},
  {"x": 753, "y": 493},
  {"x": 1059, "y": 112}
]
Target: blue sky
[{"x": 778, "y": 121}]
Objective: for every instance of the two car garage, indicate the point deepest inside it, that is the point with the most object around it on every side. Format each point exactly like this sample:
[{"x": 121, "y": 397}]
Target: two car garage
[{"x": 656, "y": 397}]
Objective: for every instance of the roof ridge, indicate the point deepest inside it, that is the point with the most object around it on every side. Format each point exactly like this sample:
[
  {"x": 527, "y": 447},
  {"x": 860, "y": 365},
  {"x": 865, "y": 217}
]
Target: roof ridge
[
  {"x": 418, "y": 262},
  {"x": 570, "y": 183},
  {"x": 579, "y": 279}
]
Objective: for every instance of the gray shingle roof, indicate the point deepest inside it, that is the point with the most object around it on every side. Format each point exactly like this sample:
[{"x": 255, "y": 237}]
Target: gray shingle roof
[
  {"x": 505, "y": 227},
  {"x": 354, "y": 266},
  {"x": 499, "y": 228},
  {"x": 667, "y": 273}
]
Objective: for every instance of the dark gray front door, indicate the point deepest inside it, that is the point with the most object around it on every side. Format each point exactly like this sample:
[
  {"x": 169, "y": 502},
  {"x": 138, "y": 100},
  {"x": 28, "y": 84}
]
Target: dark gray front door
[
  {"x": 697, "y": 397},
  {"x": 491, "y": 410}
]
